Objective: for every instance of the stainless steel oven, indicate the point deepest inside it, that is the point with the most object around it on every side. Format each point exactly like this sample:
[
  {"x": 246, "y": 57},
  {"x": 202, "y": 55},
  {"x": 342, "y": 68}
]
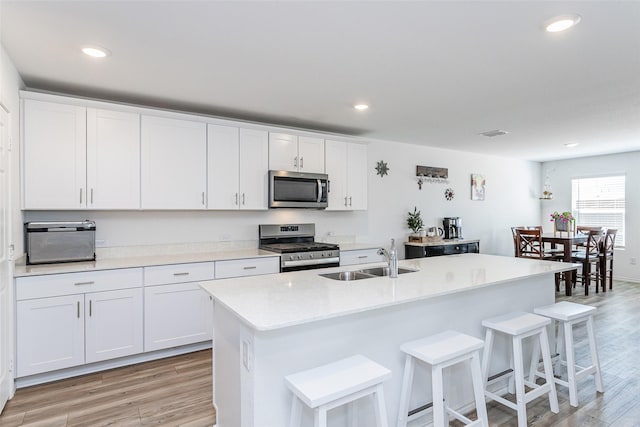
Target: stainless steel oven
[{"x": 297, "y": 190}]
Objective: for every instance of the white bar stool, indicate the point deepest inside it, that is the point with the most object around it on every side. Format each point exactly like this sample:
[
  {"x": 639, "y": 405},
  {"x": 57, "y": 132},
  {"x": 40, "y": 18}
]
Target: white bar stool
[
  {"x": 570, "y": 314},
  {"x": 520, "y": 325},
  {"x": 441, "y": 351},
  {"x": 342, "y": 382}
]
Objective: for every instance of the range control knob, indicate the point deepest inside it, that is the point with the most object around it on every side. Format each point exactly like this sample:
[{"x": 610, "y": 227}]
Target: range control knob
[{"x": 310, "y": 255}]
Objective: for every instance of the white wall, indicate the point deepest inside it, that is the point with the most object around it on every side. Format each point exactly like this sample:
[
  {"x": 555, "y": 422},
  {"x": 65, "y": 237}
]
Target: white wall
[
  {"x": 511, "y": 198},
  {"x": 560, "y": 174}
]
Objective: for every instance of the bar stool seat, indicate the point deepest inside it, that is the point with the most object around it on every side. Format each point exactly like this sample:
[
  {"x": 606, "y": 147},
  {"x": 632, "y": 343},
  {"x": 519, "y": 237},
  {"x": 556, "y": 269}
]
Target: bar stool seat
[
  {"x": 519, "y": 326},
  {"x": 338, "y": 383},
  {"x": 569, "y": 314},
  {"x": 441, "y": 351}
]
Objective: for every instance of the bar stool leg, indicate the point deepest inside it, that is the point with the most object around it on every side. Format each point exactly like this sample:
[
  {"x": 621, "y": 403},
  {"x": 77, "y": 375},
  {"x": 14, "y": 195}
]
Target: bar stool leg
[
  {"x": 407, "y": 383},
  {"x": 548, "y": 370},
  {"x": 561, "y": 349},
  {"x": 296, "y": 412},
  {"x": 595, "y": 360},
  {"x": 486, "y": 357},
  {"x": 321, "y": 416},
  {"x": 535, "y": 358},
  {"x": 517, "y": 363},
  {"x": 571, "y": 363},
  {"x": 380, "y": 408},
  {"x": 478, "y": 390},
  {"x": 438, "y": 397}
]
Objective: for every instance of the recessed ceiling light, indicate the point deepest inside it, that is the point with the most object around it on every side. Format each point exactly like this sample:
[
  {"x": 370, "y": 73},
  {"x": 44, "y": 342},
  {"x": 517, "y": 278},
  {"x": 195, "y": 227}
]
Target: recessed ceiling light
[
  {"x": 561, "y": 23},
  {"x": 495, "y": 132},
  {"x": 361, "y": 107},
  {"x": 96, "y": 51},
  {"x": 571, "y": 144}
]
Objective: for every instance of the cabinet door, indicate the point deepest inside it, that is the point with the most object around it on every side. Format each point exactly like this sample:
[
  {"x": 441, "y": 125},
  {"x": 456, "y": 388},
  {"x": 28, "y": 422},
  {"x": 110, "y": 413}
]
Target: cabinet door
[
  {"x": 254, "y": 169},
  {"x": 54, "y": 161},
  {"x": 357, "y": 176},
  {"x": 174, "y": 163},
  {"x": 223, "y": 154},
  {"x": 176, "y": 315},
  {"x": 49, "y": 334},
  {"x": 336, "y": 166},
  {"x": 311, "y": 154},
  {"x": 113, "y": 322},
  {"x": 113, "y": 159},
  {"x": 283, "y": 152},
  {"x": 361, "y": 256}
]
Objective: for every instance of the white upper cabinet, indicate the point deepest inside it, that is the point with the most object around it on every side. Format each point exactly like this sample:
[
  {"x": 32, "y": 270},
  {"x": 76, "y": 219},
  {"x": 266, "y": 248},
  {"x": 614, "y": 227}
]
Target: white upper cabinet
[
  {"x": 238, "y": 168},
  {"x": 54, "y": 159},
  {"x": 174, "y": 163},
  {"x": 296, "y": 153},
  {"x": 113, "y": 159},
  {"x": 347, "y": 170}
]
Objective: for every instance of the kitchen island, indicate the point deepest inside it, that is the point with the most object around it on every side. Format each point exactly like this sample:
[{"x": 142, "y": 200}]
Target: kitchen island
[{"x": 266, "y": 327}]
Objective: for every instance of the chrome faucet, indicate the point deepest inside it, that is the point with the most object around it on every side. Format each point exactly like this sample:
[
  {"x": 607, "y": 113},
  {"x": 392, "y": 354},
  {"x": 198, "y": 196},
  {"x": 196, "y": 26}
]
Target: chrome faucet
[{"x": 392, "y": 258}]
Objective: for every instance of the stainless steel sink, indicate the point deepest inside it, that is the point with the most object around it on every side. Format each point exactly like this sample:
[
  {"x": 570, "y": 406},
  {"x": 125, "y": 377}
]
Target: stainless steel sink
[
  {"x": 384, "y": 271},
  {"x": 366, "y": 273},
  {"x": 347, "y": 275}
]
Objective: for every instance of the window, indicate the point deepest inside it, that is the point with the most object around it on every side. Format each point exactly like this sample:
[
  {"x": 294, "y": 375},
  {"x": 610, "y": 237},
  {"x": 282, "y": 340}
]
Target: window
[{"x": 599, "y": 201}]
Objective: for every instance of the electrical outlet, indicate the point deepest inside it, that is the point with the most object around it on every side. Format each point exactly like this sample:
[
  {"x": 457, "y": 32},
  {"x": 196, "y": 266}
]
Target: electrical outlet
[
  {"x": 225, "y": 237},
  {"x": 101, "y": 243},
  {"x": 633, "y": 261}
]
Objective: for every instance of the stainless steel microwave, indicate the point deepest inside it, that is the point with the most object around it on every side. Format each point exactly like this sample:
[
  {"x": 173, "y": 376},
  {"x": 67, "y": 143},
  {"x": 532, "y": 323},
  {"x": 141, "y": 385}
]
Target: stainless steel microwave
[{"x": 297, "y": 190}]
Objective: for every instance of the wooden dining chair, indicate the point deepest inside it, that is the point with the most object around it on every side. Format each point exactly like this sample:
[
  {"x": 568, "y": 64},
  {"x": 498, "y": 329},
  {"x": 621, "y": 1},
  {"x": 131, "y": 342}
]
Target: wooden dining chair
[
  {"x": 589, "y": 257},
  {"x": 528, "y": 242},
  {"x": 522, "y": 227},
  {"x": 606, "y": 258}
]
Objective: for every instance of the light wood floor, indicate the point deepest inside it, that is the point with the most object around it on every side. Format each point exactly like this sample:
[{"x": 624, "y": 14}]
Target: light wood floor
[{"x": 177, "y": 391}]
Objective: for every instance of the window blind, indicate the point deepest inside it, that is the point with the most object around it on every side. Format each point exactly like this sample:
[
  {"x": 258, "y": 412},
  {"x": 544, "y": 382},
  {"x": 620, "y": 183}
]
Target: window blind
[{"x": 600, "y": 202}]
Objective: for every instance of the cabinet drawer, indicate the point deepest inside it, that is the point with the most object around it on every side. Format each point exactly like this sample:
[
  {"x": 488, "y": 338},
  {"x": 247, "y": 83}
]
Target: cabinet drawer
[
  {"x": 178, "y": 273},
  {"x": 247, "y": 267},
  {"x": 360, "y": 257},
  {"x": 77, "y": 283}
]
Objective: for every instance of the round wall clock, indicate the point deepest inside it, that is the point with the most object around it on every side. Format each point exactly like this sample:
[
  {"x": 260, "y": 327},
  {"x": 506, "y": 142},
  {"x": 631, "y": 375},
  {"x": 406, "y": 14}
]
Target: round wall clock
[{"x": 449, "y": 194}]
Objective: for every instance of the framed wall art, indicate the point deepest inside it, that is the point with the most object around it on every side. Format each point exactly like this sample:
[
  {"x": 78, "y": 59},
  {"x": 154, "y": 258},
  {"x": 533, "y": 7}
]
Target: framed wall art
[{"x": 477, "y": 186}]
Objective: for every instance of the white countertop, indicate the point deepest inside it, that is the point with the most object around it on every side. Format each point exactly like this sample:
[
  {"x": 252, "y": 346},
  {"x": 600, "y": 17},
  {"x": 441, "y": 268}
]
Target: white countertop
[
  {"x": 140, "y": 261},
  {"x": 442, "y": 242},
  {"x": 280, "y": 300}
]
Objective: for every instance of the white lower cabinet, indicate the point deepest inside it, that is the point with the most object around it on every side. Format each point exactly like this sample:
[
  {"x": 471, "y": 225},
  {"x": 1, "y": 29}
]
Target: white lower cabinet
[
  {"x": 176, "y": 310},
  {"x": 360, "y": 256},
  {"x": 50, "y": 334},
  {"x": 247, "y": 267},
  {"x": 60, "y": 323},
  {"x": 113, "y": 324},
  {"x": 176, "y": 315}
]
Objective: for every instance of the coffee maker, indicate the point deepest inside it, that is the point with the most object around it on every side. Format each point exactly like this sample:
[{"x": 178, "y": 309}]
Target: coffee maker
[{"x": 452, "y": 228}]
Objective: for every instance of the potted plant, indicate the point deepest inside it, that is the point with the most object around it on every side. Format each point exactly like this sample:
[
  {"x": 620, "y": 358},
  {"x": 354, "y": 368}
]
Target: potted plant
[
  {"x": 414, "y": 221},
  {"x": 562, "y": 221}
]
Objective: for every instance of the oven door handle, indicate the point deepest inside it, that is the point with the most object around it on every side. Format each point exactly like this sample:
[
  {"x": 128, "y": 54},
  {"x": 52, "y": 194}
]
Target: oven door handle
[{"x": 317, "y": 261}]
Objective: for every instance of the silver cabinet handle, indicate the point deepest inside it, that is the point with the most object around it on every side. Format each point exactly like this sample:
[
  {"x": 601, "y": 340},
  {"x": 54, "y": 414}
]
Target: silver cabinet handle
[
  {"x": 186, "y": 273},
  {"x": 81, "y": 196},
  {"x": 328, "y": 186},
  {"x": 92, "y": 196},
  {"x": 251, "y": 267},
  {"x": 345, "y": 201},
  {"x": 83, "y": 283},
  {"x": 203, "y": 198},
  {"x": 363, "y": 256},
  {"x": 301, "y": 162},
  {"x": 350, "y": 200},
  {"x": 242, "y": 199},
  {"x": 78, "y": 309},
  {"x": 295, "y": 162},
  {"x": 236, "y": 198},
  {"x": 90, "y": 308}
]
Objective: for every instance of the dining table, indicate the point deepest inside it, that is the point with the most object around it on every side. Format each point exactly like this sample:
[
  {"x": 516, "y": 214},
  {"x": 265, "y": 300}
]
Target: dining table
[{"x": 567, "y": 240}]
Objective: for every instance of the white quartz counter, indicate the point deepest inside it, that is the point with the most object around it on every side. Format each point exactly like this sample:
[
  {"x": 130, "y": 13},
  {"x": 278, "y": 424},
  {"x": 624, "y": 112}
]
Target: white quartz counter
[
  {"x": 442, "y": 242},
  {"x": 139, "y": 261},
  {"x": 280, "y": 300}
]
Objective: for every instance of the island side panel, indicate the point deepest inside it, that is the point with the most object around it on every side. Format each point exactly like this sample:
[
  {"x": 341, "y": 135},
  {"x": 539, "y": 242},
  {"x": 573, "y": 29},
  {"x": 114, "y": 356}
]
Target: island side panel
[{"x": 376, "y": 334}]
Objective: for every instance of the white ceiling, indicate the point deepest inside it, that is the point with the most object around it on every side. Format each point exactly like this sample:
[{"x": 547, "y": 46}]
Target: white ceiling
[{"x": 435, "y": 73}]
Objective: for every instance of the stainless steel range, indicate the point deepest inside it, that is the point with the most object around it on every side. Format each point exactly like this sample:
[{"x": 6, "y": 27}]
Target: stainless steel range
[{"x": 295, "y": 243}]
